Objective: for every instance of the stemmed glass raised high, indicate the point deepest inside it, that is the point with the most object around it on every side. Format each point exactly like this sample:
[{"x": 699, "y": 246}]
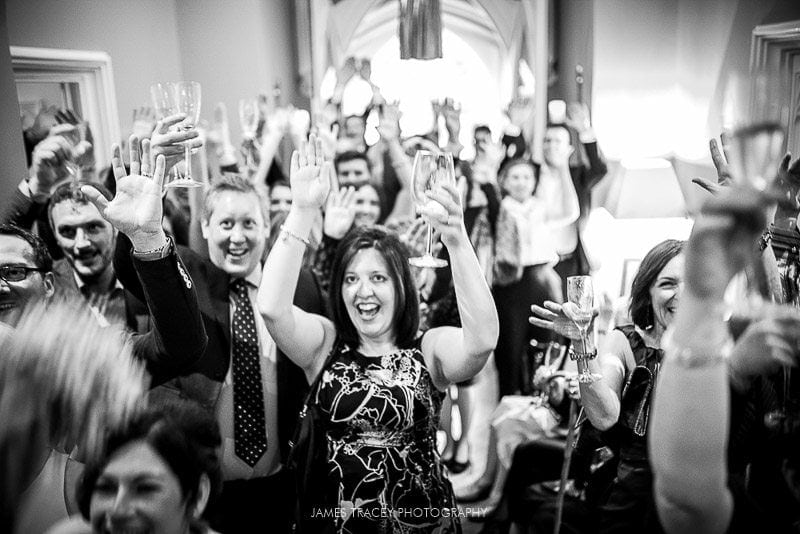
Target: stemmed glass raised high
[
  {"x": 580, "y": 292},
  {"x": 187, "y": 101},
  {"x": 248, "y": 118},
  {"x": 431, "y": 169}
]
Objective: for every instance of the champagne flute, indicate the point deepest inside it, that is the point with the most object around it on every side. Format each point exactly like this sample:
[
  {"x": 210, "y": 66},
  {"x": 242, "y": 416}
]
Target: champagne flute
[
  {"x": 580, "y": 292},
  {"x": 430, "y": 169},
  {"x": 248, "y": 118},
  {"x": 187, "y": 100},
  {"x": 752, "y": 112},
  {"x": 163, "y": 97}
]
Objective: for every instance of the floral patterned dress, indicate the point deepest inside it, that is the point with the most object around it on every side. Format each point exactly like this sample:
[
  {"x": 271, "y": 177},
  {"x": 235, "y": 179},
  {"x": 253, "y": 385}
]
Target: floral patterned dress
[{"x": 384, "y": 471}]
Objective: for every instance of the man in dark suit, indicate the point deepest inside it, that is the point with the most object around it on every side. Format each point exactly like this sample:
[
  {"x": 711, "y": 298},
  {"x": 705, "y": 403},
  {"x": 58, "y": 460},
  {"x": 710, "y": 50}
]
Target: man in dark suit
[
  {"x": 241, "y": 358},
  {"x": 79, "y": 233},
  {"x": 556, "y": 149}
]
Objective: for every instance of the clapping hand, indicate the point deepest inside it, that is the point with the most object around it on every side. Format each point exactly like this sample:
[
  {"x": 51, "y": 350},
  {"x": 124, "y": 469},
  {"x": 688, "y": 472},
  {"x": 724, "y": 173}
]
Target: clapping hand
[
  {"x": 340, "y": 211},
  {"x": 311, "y": 178},
  {"x": 136, "y": 209}
]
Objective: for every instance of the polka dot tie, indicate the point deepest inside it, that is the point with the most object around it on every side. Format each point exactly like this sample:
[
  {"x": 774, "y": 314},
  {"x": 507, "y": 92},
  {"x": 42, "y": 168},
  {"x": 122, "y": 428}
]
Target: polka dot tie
[{"x": 249, "y": 426}]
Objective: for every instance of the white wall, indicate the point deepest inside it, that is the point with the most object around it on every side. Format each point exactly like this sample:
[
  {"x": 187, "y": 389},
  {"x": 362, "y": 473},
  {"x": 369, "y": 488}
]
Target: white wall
[
  {"x": 234, "y": 49},
  {"x": 140, "y": 36}
]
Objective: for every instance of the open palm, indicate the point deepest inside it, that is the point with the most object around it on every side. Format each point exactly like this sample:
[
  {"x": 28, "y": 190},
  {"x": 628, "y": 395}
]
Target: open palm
[
  {"x": 137, "y": 207},
  {"x": 310, "y": 178}
]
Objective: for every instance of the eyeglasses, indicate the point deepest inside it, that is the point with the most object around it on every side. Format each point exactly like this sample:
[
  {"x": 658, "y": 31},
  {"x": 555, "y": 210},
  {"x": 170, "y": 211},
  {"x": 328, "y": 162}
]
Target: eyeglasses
[{"x": 17, "y": 273}]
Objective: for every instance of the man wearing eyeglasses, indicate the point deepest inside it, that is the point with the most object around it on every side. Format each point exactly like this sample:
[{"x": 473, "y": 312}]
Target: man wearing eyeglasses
[{"x": 25, "y": 272}]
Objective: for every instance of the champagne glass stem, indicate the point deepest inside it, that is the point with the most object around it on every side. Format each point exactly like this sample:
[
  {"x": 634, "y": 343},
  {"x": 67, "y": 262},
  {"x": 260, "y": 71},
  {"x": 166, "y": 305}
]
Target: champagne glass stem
[
  {"x": 429, "y": 240},
  {"x": 188, "y": 157}
]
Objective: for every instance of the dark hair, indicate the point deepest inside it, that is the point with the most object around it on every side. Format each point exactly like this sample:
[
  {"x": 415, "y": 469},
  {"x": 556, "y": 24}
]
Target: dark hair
[
  {"x": 350, "y": 155},
  {"x": 71, "y": 191},
  {"x": 406, "y": 313},
  {"x": 481, "y": 128},
  {"x": 41, "y": 257},
  {"x": 513, "y": 162},
  {"x": 182, "y": 433},
  {"x": 229, "y": 182},
  {"x": 641, "y": 307},
  {"x": 562, "y": 126}
]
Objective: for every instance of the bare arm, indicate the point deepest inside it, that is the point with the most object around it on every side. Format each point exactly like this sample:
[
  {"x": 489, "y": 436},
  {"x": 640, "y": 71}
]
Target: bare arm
[
  {"x": 457, "y": 354},
  {"x": 305, "y": 338},
  {"x": 690, "y": 469}
]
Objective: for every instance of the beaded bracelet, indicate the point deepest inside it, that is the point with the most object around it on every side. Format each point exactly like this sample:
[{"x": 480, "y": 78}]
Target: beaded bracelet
[
  {"x": 575, "y": 355},
  {"x": 289, "y": 233}
]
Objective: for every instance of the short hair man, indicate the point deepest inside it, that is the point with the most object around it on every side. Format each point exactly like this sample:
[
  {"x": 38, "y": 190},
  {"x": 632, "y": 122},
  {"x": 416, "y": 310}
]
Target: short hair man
[
  {"x": 25, "y": 272},
  {"x": 227, "y": 282},
  {"x": 352, "y": 168}
]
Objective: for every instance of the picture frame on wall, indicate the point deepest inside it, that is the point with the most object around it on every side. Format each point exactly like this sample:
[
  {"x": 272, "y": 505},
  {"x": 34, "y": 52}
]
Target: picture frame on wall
[{"x": 81, "y": 81}]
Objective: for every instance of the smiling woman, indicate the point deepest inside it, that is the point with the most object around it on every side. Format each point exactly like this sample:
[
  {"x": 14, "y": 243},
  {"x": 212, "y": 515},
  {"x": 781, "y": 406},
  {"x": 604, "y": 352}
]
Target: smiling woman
[
  {"x": 628, "y": 362},
  {"x": 382, "y": 383}
]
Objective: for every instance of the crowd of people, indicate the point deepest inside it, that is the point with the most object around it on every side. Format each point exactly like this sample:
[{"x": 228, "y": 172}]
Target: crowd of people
[{"x": 186, "y": 360}]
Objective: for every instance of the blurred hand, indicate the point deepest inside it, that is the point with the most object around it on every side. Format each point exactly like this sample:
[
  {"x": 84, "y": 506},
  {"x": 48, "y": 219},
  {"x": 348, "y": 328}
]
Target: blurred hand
[
  {"x": 311, "y": 178},
  {"x": 723, "y": 240},
  {"x": 144, "y": 122},
  {"x": 452, "y": 117},
  {"x": 168, "y": 143},
  {"x": 720, "y": 160},
  {"x": 347, "y": 71},
  {"x": 136, "y": 209},
  {"x": 520, "y": 112},
  {"x": 49, "y": 165},
  {"x": 578, "y": 117},
  {"x": 766, "y": 346},
  {"x": 365, "y": 69},
  {"x": 340, "y": 212},
  {"x": 389, "y": 121}
]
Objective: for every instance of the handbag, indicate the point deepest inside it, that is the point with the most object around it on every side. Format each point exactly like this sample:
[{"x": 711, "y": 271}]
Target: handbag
[{"x": 308, "y": 458}]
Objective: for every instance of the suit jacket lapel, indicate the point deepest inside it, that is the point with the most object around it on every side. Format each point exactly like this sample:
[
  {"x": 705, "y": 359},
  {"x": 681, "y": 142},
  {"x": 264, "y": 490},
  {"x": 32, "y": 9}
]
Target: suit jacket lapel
[{"x": 219, "y": 282}]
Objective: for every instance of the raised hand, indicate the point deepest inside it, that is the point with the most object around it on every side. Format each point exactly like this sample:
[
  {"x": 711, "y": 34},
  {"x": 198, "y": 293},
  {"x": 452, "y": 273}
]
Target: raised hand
[
  {"x": 170, "y": 144},
  {"x": 720, "y": 160},
  {"x": 520, "y": 112},
  {"x": 556, "y": 318},
  {"x": 578, "y": 117},
  {"x": 144, "y": 122},
  {"x": 721, "y": 243},
  {"x": 365, "y": 69},
  {"x": 49, "y": 165},
  {"x": 340, "y": 212},
  {"x": 347, "y": 71},
  {"x": 452, "y": 117},
  {"x": 446, "y": 215},
  {"x": 389, "y": 121},
  {"x": 136, "y": 209},
  {"x": 310, "y": 177}
]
